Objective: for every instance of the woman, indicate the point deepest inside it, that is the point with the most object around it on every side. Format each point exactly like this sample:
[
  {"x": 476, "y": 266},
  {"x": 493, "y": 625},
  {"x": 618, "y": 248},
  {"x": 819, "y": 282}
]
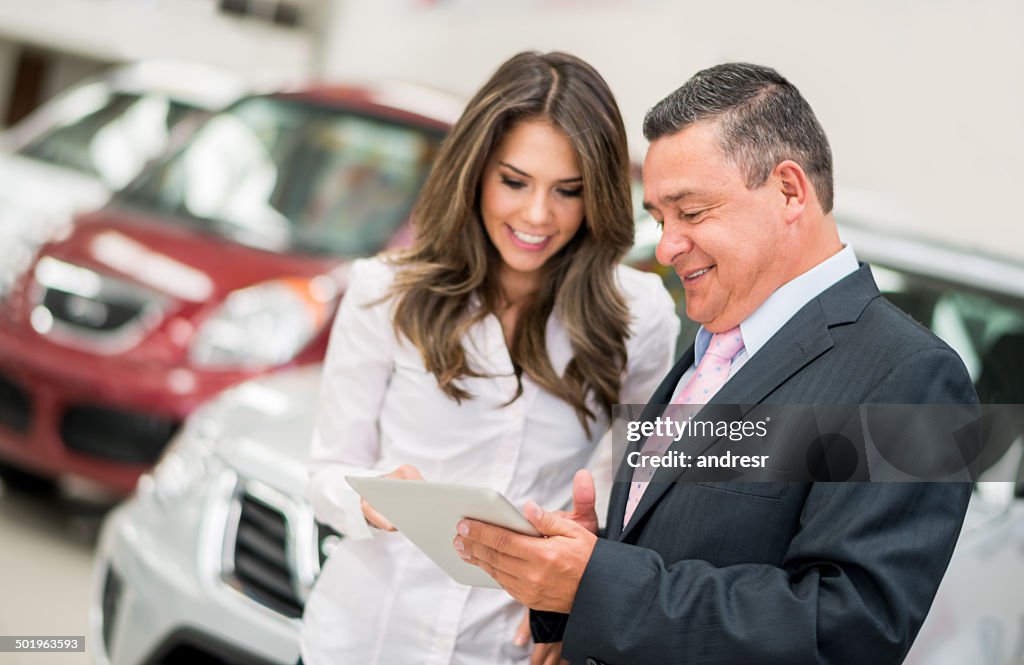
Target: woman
[{"x": 489, "y": 353}]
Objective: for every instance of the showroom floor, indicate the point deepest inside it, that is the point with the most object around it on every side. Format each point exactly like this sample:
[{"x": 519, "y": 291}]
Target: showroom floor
[{"x": 46, "y": 546}]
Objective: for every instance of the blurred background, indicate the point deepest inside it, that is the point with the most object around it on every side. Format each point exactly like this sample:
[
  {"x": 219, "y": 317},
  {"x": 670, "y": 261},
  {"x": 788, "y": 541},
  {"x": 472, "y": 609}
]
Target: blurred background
[{"x": 157, "y": 250}]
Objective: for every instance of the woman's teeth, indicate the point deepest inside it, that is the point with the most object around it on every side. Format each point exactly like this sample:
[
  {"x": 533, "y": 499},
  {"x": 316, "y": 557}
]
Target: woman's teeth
[{"x": 527, "y": 238}]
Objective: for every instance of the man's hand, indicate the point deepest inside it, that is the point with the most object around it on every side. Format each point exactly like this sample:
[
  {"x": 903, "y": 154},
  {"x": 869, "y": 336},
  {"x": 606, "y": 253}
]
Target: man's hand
[
  {"x": 375, "y": 519},
  {"x": 541, "y": 573}
]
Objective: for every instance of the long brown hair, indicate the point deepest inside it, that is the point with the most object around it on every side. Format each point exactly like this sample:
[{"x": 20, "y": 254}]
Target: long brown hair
[{"x": 452, "y": 257}]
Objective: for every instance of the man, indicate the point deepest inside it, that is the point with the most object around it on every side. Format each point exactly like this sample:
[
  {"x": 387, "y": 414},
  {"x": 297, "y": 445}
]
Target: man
[{"x": 739, "y": 172}]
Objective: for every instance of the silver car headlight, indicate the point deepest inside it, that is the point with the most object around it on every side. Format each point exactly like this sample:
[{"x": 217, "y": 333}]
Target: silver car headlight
[
  {"x": 185, "y": 462},
  {"x": 264, "y": 325}
]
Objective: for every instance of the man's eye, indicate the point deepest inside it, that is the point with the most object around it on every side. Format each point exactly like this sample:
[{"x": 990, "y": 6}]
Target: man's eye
[
  {"x": 690, "y": 216},
  {"x": 571, "y": 193},
  {"x": 512, "y": 184}
]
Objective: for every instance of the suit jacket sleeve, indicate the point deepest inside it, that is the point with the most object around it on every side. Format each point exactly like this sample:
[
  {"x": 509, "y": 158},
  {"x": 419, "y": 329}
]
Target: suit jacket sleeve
[{"x": 854, "y": 587}]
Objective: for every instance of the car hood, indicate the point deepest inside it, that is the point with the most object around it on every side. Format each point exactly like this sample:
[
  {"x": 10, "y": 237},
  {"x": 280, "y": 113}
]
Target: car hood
[
  {"x": 173, "y": 257},
  {"x": 266, "y": 427},
  {"x": 39, "y": 199}
]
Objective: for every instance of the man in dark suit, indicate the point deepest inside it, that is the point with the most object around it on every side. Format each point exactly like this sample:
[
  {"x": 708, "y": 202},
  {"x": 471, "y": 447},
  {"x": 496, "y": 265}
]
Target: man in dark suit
[{"x": 739, "y": 172}]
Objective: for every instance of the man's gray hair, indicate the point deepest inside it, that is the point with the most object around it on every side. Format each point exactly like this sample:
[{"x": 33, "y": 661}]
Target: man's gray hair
[{"x": 762, "y": 120}]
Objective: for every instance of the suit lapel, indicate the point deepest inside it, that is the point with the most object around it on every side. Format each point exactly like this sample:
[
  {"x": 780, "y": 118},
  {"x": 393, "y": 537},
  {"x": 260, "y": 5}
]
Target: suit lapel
[
  {"x": 624, "y": 473},
  {"x": 802, "y": 339}
]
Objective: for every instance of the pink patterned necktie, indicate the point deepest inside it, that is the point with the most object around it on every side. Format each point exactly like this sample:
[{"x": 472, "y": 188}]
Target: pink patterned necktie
[{"x": 708, "y": 379}]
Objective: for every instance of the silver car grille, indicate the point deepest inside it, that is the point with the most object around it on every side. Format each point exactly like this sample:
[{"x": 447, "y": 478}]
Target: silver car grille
[
  {"x": 81, "y": 307},
  {"x": 273, "y": 549}
]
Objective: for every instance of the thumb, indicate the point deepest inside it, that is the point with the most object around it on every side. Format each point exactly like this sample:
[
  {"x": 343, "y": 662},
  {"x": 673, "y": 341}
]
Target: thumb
[
  {"x": 549, "y": 523},
  {"x": 583, "y": 494}
]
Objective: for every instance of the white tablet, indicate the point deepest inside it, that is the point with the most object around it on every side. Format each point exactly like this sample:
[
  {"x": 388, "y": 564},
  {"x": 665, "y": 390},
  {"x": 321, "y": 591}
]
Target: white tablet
[{"x": 427, "y": 514}]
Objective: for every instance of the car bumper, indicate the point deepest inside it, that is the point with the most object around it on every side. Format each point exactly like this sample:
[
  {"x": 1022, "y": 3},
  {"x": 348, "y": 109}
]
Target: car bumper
[
  {"x": 63, "y": 411},
  {"x": 158, "y": 588}
]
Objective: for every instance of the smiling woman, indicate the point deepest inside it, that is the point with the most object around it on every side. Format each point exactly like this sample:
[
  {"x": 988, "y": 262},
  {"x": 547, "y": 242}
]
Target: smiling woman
[
  {"x": 530, "y": 209},
  {"x": 541, "y": 145},
  {"x": 489, "y": 353}
]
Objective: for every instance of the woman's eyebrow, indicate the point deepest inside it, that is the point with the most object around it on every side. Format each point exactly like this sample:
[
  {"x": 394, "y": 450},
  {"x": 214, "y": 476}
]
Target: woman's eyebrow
[{"x": 527, "y": 175}]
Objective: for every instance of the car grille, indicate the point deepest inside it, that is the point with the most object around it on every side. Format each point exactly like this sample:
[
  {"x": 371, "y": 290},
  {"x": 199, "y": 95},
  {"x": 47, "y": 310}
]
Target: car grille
[
  {"x": 261, "y": 558},
  {"x": 112, "y": 586},
  {"x": 265, "y": 564},
  {"x": 80, "y": 307},
  {"x": 119, "y": 436},
  {"x": 15, "y": 405}
]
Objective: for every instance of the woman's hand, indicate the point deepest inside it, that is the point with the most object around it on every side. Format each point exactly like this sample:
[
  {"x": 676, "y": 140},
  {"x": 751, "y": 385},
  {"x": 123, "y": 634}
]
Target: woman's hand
[
  {"x": 542, "y": 654},
  {"x": 375, "y": 519}
]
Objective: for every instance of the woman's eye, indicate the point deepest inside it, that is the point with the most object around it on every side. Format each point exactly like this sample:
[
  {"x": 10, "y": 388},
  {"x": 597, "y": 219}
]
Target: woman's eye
[
  {"x": 512, "y": 184},
  {"x": 573, "y": 193}
]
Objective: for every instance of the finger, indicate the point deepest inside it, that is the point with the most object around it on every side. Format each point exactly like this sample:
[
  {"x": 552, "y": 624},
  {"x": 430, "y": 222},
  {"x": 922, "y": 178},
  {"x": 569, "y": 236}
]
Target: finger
[
  {"x": 480, "y": 536},
  {"x": 546, "y": 654},
  {"x": 374, "y": 518},
  {"x": 583, "y": 494},
  {"x": 508, "y": 571},
  {"x": 484, "y": 566},
  {"x": 406, "y": 472},
  {"x": 549, "y": 523},
  {"x": 476, "y": 553},
  {"x": 522, "y": 635},
  {"x": 509, "y": 583}
]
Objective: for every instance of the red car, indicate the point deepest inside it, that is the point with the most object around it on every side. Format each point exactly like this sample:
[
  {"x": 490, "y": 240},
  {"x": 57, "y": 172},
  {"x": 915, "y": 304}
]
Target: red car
[{"x": 223, "y": 262}]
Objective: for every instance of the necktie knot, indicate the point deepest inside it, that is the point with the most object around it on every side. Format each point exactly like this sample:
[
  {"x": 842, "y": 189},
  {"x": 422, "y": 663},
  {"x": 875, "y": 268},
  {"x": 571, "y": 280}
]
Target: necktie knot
[{"x": 726, "y": 345}]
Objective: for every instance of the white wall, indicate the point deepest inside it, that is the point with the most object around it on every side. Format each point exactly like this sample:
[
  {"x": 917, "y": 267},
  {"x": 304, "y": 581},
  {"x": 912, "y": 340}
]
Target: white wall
[
  {"x": 191, "y": 30},
  {"x": 922, "y": 101}
]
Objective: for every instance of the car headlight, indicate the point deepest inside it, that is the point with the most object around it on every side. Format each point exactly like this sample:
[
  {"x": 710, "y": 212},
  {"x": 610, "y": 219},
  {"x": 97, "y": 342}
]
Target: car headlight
[
  {"x": 264, "y": 325},
  {"x": 185, "y": 461}
]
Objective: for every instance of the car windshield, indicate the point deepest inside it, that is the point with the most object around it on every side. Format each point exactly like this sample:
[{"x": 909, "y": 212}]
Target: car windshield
[
  {"x": 112, "y": 135},
  {"x": 286, "y": 175}
]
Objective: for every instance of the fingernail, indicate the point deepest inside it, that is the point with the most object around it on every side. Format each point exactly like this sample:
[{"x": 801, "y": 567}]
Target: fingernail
[
  {"x": 458, "y": 544},
  {"x": 463, "y": 529},
  {"x": 533, "y": 510},
  {"x": 465, "y": 557},
  {"x": 520, "y": 640}
]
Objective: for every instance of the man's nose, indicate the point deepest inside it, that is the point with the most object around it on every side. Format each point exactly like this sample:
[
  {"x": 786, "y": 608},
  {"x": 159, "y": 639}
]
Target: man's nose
[{"x": 673, "y": 243}]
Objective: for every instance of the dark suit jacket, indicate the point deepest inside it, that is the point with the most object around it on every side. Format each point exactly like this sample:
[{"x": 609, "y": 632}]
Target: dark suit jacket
[{"x": 782, "y": 573}]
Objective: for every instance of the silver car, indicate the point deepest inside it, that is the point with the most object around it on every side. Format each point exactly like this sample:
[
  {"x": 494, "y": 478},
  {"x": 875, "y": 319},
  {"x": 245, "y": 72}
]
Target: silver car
[{"x": 216, "y": 552}]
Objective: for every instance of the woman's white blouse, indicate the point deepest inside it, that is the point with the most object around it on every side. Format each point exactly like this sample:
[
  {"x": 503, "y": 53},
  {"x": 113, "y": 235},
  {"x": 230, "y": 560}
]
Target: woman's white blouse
[{"x": 379, "y": 599}]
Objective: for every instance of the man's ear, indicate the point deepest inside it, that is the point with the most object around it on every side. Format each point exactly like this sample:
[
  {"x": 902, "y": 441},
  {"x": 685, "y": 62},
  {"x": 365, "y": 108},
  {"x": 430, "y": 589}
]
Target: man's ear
[{"x": 795, "y": 188}]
